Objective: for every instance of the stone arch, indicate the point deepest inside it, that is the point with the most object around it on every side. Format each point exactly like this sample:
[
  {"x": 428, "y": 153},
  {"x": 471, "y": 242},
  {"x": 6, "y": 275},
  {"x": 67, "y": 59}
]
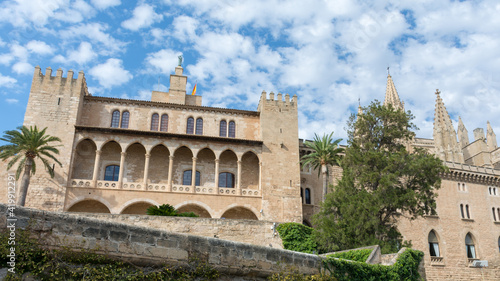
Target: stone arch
[
  {"x": 90, "y": 205},
  {"x": 105, "y": 142},
  {"x": 84, "y": 159},
  {"x": 134, "y": 163},
  {"x": 195, "y": 208},
  {"x": 205, "y": 163},
  {"x": 228, "y": 163},
  {"x": 137, "y": 207},
  {"x": 240, "y": 212},
  {"x": 181, "y": 206},
  {"x": 158, "y": 164},
  {"x": 110, "y": 155},
  {"x": 183, "y": 160},
  {"x": 250, "y": 170}
]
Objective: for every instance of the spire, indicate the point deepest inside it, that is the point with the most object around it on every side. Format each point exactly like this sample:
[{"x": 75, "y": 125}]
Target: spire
[
  {"x": 445, "y": 137},
  {"x": 463, "y": 134},
  {"x": 491, "y": 138},
  {"x": 391, "y": 95},
  {"x": 360, "y": 110}
]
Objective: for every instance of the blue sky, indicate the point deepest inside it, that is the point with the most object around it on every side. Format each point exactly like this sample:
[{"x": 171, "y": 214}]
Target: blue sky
[{"x": 328, "y": 53}]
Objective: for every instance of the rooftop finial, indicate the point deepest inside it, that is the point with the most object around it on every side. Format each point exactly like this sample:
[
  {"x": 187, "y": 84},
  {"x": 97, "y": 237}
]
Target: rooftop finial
[
  {"x": 388, "y": 73},
  {"x": 437, "y": 92}
]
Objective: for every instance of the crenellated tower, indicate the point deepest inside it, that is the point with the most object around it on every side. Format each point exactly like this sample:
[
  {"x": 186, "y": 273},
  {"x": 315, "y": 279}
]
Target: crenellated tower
[
  {"x": 56, "y": 103},
  {"x": 445, "y": 137},
  {"x": 280, "y": 157}
]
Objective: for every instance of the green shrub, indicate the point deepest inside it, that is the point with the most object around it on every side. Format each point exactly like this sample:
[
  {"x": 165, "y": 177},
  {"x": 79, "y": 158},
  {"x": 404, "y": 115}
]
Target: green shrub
[
  {"x": 297, "y": 237},
  {"x": 405, "y": 268},
  {"x": 353, "y": 255},
  {"x": 168, "y": 210}
]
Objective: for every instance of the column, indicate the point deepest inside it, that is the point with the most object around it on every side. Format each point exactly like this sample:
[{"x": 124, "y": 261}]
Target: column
[
  {"x": 146, "y": 171},
  {"x": 216, "y": 189},
  {"x": 238, "y": 179},
  {"x": 170, "y": 169},
  {"x": 120, "y": 174},
  {"x": 193, "y": 175},
  {"x": 260, "y": 178},
  {"x": 96, "y": 167}
]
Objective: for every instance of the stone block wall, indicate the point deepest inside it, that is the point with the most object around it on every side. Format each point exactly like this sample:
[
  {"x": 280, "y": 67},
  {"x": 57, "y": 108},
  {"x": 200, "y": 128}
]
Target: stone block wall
[{"x": 148, "y": 245}]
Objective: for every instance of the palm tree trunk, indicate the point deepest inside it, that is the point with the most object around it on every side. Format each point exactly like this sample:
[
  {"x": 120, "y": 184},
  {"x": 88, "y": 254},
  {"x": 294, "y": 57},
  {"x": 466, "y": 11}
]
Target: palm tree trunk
[
  {"x": 25, "y": 182},
  {"x": 325, "y": 180}
]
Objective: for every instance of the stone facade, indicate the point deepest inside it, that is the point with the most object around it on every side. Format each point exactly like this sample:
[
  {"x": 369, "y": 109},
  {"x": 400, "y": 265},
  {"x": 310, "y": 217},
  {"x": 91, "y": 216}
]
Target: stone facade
[{"x": 122, "y": 156}]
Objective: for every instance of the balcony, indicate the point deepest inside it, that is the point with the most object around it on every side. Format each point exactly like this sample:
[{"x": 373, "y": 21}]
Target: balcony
[
  {"x": 164, "y": 187},
  {"x": 437, "y": 261}
]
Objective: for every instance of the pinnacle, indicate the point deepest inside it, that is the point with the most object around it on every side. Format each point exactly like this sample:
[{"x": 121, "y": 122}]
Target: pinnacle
[{"x": 391, "y": 94}]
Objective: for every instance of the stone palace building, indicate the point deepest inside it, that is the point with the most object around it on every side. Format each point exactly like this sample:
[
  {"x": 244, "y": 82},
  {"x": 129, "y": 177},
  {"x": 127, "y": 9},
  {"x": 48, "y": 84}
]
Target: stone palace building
[{"x": 121, "y": 156}]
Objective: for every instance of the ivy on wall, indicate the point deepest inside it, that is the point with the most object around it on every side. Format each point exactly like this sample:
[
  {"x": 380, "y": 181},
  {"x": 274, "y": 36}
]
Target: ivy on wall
[
  {"x": 297, "y": 237},
  {"x": 354, "y": 255}
]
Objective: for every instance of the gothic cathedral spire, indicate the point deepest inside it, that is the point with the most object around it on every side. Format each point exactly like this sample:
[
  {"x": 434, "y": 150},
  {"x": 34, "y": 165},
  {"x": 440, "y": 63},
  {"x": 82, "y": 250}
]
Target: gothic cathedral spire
[
  {"x": 445, "y": 137},
  {"x": 391, "y": 95}
]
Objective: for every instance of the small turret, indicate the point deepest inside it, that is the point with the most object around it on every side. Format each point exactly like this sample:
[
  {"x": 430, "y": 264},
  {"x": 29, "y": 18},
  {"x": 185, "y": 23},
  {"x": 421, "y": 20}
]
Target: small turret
[
  {"x": 463, "y": 134},
  {"x": 491, "y": 138}
]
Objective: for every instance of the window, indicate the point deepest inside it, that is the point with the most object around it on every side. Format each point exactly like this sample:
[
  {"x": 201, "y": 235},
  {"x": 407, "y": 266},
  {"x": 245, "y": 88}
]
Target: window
[
  {"x": 494, "y": 214},
  {"x": 125, "y": 118},
  {"x": 462, "y": 186},
  {"x": 164, "y": 123},
  {"x": 492, "y": 190},
  {"x": 499, "y": 244},
  {"x": 226, "y": 180},
  {"x": 232, "y": 129},
  {"x": 469, "y": 246},
  {"x": 308, "y": 196},
  {"x": 186, "y": 178},
  {"x": 115, "y": 119},
  {"x": 111, "y": 173},
  {"x": 190, "y": 125},
  {"x": 154, "y": 122},
  {"x": 433, "y": 244},
  {"x": 199, "y": 126},
  {"x": 302, "y": 195},
  {"x": 223, "y": 128},
  {"x": 466, "y": 214}
]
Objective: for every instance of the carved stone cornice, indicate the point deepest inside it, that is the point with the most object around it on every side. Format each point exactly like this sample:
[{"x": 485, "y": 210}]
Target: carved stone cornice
[
  {"x": 170, "y": 105},
  {"x": 470, "y": 173}
]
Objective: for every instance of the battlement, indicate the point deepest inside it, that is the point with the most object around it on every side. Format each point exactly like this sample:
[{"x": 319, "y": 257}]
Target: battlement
[
  {"x": 58, "y": 84},
  {"x": 270, "y": 102}
]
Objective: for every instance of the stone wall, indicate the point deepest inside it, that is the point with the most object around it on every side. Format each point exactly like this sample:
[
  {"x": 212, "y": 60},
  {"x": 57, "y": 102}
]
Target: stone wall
[
  {"x": 260, "y": 233},
  {"x": 148, "y": 245}
]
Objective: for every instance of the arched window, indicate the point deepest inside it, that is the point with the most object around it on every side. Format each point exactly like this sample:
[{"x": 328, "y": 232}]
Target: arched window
[
  {"x": 467, "y": 210},
  {"x": 223, "y": 128},
  {"x": 469, "y": 246},
  {"x": 190, "y": 125},
  {"x": 154, "y": 122},
  {"x": 111, "y": 173},
  {"x": 231, "y": 132},
  {"x": 164, "y": 123},
  {"x": 494, "y": 214},
  {"x": 433, "y": 244},
  {"x": 226, "y": 180},
  {"x": 302, "y": 195},
  {"x": 308, "y": 196},
  {"x": 462, "y": 211},
  {"x": 499, "y": 244},
  {"x": 199, "y": 126},
  {"x": 186, "y": 178},
  {"x": 115, "y": 119},
  {"x": 125, "y": 118}
]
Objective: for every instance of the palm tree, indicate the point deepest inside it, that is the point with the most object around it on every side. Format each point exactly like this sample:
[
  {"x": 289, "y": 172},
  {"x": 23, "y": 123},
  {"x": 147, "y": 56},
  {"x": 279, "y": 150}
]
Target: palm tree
[
  {"x": 26, "y": 144},
  {"x": 326, "y": 153}
]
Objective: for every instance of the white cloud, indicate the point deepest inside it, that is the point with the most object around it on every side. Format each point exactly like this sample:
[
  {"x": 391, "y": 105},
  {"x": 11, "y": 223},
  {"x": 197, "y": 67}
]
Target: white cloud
[
  {"x": 185, "y": 28},
  {"x": 7, "y": 81},
  {"x": 95, "y": 32},
  {"x": 22, "y": 68},
  {"x": 23, "y": 13},
  {"x": 11, "y": 101},
  {"x": 111, "y": 73},
  {"x": 143, "y": 16},
  {"x": 82, "y": 55},
  {"x": 164, "y": 61},
  {"x": 104, "y": 4},
  {"x": 39, "y": 47}
]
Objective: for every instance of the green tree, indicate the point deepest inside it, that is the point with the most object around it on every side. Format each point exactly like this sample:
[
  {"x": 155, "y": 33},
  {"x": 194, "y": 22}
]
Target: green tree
[
  {"x": 327, "y": 152},
  {"x": 27, "y": 144},
  {"x": 381, "y": 181}
]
